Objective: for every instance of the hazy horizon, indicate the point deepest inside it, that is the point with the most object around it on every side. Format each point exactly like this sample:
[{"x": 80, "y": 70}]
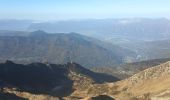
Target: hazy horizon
[
  {"x": 83, "y": 19},
  {"x": 83, "y": 9}
]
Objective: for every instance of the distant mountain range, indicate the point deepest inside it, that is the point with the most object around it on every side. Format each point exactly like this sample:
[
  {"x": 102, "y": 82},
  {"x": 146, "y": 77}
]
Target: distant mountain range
[
  {"x": 141, "y": 28},
  {"x": 140, "y": 35},
  {"x": 60, "y": 48}
]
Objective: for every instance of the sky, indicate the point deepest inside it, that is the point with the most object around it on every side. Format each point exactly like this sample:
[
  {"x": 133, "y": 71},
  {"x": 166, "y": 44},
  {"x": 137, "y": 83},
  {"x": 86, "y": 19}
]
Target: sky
[{"x": 83, "y": 9}]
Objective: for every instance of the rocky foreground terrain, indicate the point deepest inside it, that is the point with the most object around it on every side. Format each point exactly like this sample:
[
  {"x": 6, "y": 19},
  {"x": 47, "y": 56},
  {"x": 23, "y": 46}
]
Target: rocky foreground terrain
[
  {"x": 78, "y": 83},
  {"x": 129, "y": 69},
  {"x": 150, "y": 84}
]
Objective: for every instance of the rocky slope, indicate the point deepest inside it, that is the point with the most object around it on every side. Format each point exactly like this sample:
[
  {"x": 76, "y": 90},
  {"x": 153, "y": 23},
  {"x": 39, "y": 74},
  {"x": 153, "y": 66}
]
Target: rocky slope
[
  {"x": 150, "y": 84},
  {"x": 128, "y": 69},
  {"x": 44, "y": 80},
  {"x": 82, "y": 84}
]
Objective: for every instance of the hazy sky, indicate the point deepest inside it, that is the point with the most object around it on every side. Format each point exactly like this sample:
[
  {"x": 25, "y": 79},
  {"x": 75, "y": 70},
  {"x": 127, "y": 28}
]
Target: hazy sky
[{"x": 78, "y": 9}]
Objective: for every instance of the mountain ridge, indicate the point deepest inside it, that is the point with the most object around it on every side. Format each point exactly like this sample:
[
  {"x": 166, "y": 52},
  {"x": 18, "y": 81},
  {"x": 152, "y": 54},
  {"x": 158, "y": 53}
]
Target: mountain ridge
[
  {"x": 149, "y": 84},
  {"x": 60, "y": 48},
  {"x": 51, "y": 80}
]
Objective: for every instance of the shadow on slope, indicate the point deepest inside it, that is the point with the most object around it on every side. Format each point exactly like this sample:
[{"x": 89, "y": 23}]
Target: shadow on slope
[
  {"x": 102, "y": 97},
  {"x": 8, "y": 96},
  {"x": 50, "y": 79},
  {"x": 97, "y": 77},
  {"x": 37, "y": 78}
]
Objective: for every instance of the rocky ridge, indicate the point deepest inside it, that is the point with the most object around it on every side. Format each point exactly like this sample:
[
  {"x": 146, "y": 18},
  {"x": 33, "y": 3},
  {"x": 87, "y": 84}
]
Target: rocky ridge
[{"x": 149, "y": 84}]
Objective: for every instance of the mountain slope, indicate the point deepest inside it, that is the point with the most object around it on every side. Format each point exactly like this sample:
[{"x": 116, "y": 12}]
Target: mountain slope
[
  {"x": 47, "y": 80},
  {"x": 36, "y": 78},
  {"x": 150, "y": 84},
  {"x": 60, "y": 48},
  {"x": 152, "y": 80},
  {"x": 144, "y": 49},
  {"x": 128, "y": 69}
]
